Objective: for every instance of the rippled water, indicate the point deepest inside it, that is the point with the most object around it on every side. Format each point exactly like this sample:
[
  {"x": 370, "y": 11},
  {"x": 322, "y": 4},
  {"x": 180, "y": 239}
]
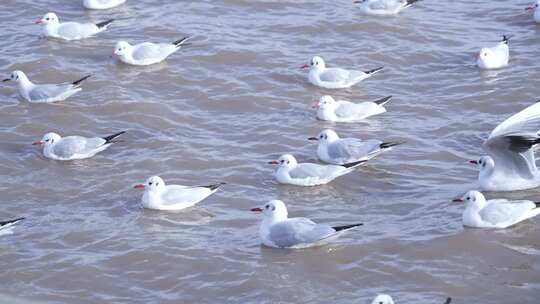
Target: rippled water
[{"x": 218, "y": 111}]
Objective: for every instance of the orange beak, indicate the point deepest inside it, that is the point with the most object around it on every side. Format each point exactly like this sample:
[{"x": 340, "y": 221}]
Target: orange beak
[
  {"x": 40, "y": 142},
  {"x": 274, "y": 162},
  {"x": 139, "y": 186},
  {"x": 256, "y": 210}
]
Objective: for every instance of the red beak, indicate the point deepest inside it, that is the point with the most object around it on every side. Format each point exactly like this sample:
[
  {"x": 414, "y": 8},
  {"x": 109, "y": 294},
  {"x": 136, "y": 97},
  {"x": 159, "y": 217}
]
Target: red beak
[
  {"x": 313, "y": 138},
  {"x": 305, "y": 66},
  {"x": 529, "y": 8},
  {"x": 274, "y": 162},
  {"x": 315, "y": 105},
  {"x": 38, "y": 22},
  {"x": 139, "y": 186},
  {"x": 473, "y": 162},
  {"x": 256, "y": 210},
  {"x": 457, "y": 200},
  {"x": 41, "y": 142}
]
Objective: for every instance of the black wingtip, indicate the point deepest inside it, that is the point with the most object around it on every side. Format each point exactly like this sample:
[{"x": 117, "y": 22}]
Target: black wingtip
[
  {"x": 104, "y": 23},
  {"x": 386, "y": 145},
  {"x": 180, "y": 42},
  {"x": 410, "y": 2},
  {"x": 448, "y": 300},
  {"x": 77, "y": 82},
  {"x": 354, "y": 164},
  {"x": 383, "y": 101},
  {"x": 110, "y": 138},
  {"x": 505, "y": 39},
  {"x": 520, "y": 143},
  {"x": 374, "y": 70},
  {"x": 537, "y": 204},
  {"x": 214, "y": 186},
  {"x": 345, "y": 227},
  {"x": 3, "y": 223}
]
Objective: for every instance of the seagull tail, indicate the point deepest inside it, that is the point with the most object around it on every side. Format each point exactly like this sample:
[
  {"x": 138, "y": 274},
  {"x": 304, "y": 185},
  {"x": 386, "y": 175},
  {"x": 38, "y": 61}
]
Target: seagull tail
[
  {"x": 370, "y": 72},
  {"x": 448, "y": 300},
  {"x": 110, "y": 139},
  {"x": 214, "y": 186},
  {"x": 383, "y": 101},
  {"x": 78, "y": 82},
  {"x": 3, "y": 223},
  {"x": 180, "y": 42},
  {"x": 505, "y": 39},
  {"x": 386, "y": 145},
  {"x": 354, "y": 164},
  {"x": 411, "y": 2},
  {"x": 345, "y": 227},
  {"x": 537, "y": 204},
  {"x": 104, "y": 24}
]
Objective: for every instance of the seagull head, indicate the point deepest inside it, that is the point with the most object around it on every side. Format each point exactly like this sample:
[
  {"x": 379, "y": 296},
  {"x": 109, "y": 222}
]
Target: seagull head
[
  {"x": 485, "y": 54},
  {"x": 326, "y": 136},
  {"x": 473, "y": 199},
  {"x": 274, "y": 209},
  {"x": 485, "y": 163},
  {"x": 49, "y": 18},
  {"x": 153, "y": 183},
  {"x": 16, "y": 76},
  {"x": 383, "y": 299},
  {"x": 122, "y": 48},
  {"x": 533, "y": 7},
  {"x": 285, "y": 161},
  {"x": 48, "y": 140},
  {"x": 316, "y": 63},
  {"x": 325, "y": 102}
]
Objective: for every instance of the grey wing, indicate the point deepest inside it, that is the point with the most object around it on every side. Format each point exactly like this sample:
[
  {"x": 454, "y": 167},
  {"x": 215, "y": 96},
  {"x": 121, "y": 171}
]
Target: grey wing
[
  {"x": 308, "y": 170},
  {"x": 355, "y": 148},
  {"x": 512, "y": 154},
  {"x": 298, "y": 231},
  {"x": 346, "y": 109},
  {"x": 72, "y": 29},
  {"x": 46, "y": 91},
  {"x": 68, "y": 146},
  {"x": 335, "y": 75},
  {"x": 505, "y": 212},
  {"x": 386, "y": 4},
  {"x": 148, "y": 50}
]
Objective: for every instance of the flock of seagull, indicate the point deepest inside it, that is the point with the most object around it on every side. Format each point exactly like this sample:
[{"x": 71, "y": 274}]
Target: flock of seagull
[{"x": 509, "y": 165}]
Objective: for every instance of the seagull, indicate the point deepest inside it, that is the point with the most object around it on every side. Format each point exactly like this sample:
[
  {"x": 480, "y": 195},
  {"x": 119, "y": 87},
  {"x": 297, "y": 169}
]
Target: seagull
[
  {"x": 536, "y": 11},
  {"x": 70, "y": 30},
  {"x": 147, "y": 53},
  {"x": 510, "y": 164},
  {"x": 340, "y": 151},
  {"x": 102, "y": 4},
  {"x": 289, "y": 171},
  {"x": 159, "y": 196},
  {"x": 329, "y": 109},
  {"x": 278, "y": 231},
  {"x": 386, "y": 299},
  {"x": 334, "y": 78},
  {"x": 44, "y": 93},
  {"x": 497, "y": 213},
  {"x": 383, "y": 7},
  {"x": 7, "y": 226},
  {"x": 494, "y": 57},
  {"x": 74, "y": 147}
]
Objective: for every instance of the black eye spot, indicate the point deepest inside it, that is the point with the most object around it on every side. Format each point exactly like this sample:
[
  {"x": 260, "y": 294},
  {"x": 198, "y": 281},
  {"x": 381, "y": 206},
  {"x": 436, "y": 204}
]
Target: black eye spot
[
  {"x": 321, "y": 137},
  {"x": 150, "y": 183},
  {"x": 47, "y": 18},
  {"x": 157, "y": 183},
  {"x": 267, "y": 206},
  {"x": 468, "y": 198},
  {"x": 381, "y": 302},
  {"x": 288, "y": 162}
]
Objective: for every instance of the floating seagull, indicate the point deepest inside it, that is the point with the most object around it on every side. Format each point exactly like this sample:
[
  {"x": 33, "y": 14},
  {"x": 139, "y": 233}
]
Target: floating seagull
[
  {"x": 289, "y": 171},
  {"x": 7, "y": 226},
  {"x": 102, "y": 4},
  {"x": 330, "y": 109},
  {"x": 159, "y": 196},
  {"x": 494, "y": 57},
  {"x": 497, "y": 213},
  {"x": 334, "y": 78},
  {"x": 278, "y": 231},
  {"x": 74, "y": 147},
  {"x": 339, "y": 151},
  {"x": 70, "y": 30},
  {"x": 383, "y": 7},
  {"x": 386, "y": 299},
  {"x": 44, "y": 93},
  {"x": 147, "y": 53},
  {"x": 511, "y": 162},
  {"x": 536, "y": 11}
]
